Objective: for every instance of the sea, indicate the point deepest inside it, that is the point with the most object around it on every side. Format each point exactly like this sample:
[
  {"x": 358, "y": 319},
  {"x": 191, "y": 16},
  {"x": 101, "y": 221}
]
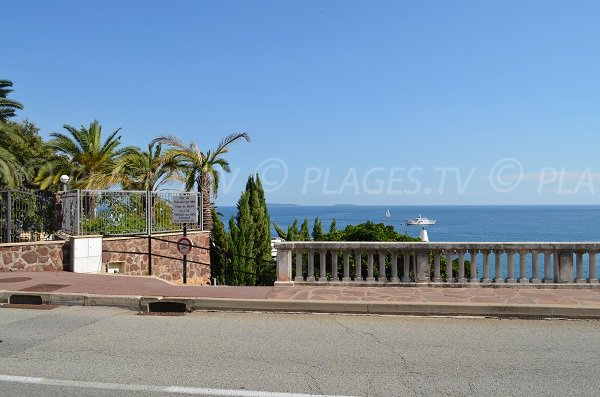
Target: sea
[
  {"x": 480, "y": 223},
  {"x": 477, "y": 223}
]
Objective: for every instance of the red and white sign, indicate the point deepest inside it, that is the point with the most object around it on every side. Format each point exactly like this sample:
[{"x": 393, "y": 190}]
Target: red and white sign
[{"x": 184, "y": 245}]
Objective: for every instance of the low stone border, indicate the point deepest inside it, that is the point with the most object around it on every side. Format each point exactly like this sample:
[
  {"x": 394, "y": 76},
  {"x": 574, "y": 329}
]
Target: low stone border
[{"x": 140, "y": 303}]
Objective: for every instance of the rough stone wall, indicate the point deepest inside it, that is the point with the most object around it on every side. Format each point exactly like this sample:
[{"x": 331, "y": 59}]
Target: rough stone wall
[
  {"x": 36, "y": 256},
  {"x": 135, "y": 258}
]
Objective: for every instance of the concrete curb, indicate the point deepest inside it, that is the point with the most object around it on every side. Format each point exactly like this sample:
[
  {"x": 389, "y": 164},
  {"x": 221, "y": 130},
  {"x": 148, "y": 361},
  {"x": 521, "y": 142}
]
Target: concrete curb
[{"x": 140, "y": 303}]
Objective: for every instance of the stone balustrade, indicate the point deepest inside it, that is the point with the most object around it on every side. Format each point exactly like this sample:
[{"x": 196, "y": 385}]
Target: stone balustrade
[{"x": 417, "y": 263}]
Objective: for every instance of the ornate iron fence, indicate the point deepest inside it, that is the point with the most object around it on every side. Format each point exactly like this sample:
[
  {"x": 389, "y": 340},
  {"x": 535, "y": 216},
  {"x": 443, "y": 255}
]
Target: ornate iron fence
[
  {"x": 26, "y": 215},
  {"x": 111, "y": 212}
]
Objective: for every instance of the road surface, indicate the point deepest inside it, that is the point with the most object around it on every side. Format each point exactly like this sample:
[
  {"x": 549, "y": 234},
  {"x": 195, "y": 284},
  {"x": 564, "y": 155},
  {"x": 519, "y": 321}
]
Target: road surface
[{"x": 94, "y": 351}]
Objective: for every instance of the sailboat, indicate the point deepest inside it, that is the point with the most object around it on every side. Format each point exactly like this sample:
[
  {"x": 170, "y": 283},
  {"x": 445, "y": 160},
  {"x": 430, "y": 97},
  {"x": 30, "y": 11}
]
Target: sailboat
[{"x": 388, "y": 215}]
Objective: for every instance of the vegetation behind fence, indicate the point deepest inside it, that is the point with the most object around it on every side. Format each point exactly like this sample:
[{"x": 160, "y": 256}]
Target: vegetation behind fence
[{"x": 26, "y": 215}]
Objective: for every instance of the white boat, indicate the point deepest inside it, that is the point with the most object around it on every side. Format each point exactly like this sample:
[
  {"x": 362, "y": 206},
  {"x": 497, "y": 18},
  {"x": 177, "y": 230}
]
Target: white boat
[
  {"x": 388, "y": 214},
  {"x": 420, "y": 220}
]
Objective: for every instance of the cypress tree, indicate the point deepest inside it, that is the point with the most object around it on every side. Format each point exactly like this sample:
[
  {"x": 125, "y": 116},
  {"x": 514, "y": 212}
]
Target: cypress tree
[
  {"x": 333, "y": 227},
  {"x": 245, "y": 237},
  {"x": 265, "y": 271},
  {"x": 317, "y": 232},
  {"x": 235, "y": 248},
  {"x": 304, "y": 233},
  {"x": 219, "y": 246}
]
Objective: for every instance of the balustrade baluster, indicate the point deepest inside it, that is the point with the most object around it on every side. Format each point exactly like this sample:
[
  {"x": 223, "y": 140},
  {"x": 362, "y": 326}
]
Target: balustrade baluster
[
  {"x": 382, "y": 276},
  {"x": 449, "y": 276},
  {"x": 473, "y": 277},
  {"x": 548, "y": 279},
  {"x": 461, "y": 266},
  {"x": 593, "y": 277},
  {"x": 406, "y": 266},
  {"x": 394, "y": 265},
  {"x": 299, "y": 275},
  {"x": 498, "y": 278},
  {"x": 486, "y": 266},
  {"x": 535, "y": 271},
  {"x": 370, "y": 276},
  {"x": 358, "y": 265},
  {"x": 436, "y": 267},
  {"x": 523, "y": 268},
  {"x": 579, "y": 264},
  {"x": 334, "y": 265},
  {"x": 323, "y": 266},
  {"x": 346, "y": 266},
  {"x": 511, "y": 267},
  {"x": 311, "y": 266}
]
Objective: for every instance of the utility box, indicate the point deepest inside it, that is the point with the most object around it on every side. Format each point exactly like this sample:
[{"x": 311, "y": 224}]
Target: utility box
[{"x": 86, "y": 254}]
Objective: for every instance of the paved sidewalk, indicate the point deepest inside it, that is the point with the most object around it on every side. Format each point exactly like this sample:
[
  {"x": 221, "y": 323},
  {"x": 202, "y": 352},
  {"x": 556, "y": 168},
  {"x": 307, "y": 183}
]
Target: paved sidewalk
[{"x": 135, "y": 292}]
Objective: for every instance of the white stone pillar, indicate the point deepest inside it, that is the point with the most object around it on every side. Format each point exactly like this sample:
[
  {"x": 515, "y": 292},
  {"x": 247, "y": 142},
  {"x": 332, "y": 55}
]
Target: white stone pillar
[
  {"x": 565, "y": 267},
  {"x": 437, "y": 278},
  {"x": 535, "y": 271},
  {"x": 311, "y": 266},
  {"x": 548, "y": 279},
  {"x": 284, "y": 267},
  {"x": 299, "y": 275},
  {"x": 422, "y": 267},
  {"x": 382, "y": 276},
  {"x": 486, "y": 266},
  {"x": 593, "y": 276},
  {"x": 461, "y": 266},
  {"x": 511, "y": 267},
  {"x": 523, "y": 268},
  {"x": 406, "y": 266},
  {"x": 579, "y": 263},
  {"x": 473, "y": 276},
  {"x": 395, "y": 278},
  {"x": 498, "y": 279},
  {"x": 346, "y": 266},
  {"x": 323, "y": 266},
  {"x": 334, "y": 265},
  {"x": 358, "y": 266},
  {"x": 449, "y": 277},
  {"x": 370, "y": 276}
]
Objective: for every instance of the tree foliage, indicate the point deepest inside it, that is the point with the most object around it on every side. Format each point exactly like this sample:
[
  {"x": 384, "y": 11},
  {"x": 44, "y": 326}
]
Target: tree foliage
[
  {"x": 84, "y": 155},
  {"x": 199, "y": 168},
  {"x": 244, "y": 253},
  {"x": 144, "y": 170},
  {"x": 7, "y": 106}
]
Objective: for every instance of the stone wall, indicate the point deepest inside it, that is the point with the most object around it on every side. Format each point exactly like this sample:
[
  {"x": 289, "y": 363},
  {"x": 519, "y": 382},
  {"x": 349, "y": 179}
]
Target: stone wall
[
  {"x": 133, "y": 255},
  {"x": 35, "y": 256}
]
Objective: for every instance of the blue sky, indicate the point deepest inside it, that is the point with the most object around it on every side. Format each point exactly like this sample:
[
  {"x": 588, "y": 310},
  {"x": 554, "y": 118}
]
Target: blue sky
[{"x": 361, "y": 102}]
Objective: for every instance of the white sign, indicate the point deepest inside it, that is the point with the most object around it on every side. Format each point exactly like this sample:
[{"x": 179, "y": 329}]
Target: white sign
[{"x": 185, "y": 208}]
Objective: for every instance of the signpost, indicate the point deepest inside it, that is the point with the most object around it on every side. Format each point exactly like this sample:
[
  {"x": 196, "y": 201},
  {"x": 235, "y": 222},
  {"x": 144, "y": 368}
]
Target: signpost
[
  {"x": 185, "y": 210},
  {"x": 184, "y": 245}
]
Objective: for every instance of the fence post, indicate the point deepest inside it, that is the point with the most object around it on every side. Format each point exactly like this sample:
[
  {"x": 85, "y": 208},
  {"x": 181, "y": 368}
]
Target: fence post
[
  {"x": 9, "y": 216},
  {"x": 149, "y": 228},
  {"x": 77, "y": 212},
  {"x": 284, "y": 267}
]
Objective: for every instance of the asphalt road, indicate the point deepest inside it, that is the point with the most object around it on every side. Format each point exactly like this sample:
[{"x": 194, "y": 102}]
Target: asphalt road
[{"x": 92, "y": 351}]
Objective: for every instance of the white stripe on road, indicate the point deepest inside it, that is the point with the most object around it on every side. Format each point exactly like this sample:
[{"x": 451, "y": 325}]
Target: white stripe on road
[{"x": 149, "y": 388}]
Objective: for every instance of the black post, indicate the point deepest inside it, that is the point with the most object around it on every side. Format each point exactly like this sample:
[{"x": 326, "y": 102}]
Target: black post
[
  {"x": 149, "y": 255},
  {"x": 9, "y": 226},
  {"x": 149, "y": 228},
  {"x": 184, "y": 257}
]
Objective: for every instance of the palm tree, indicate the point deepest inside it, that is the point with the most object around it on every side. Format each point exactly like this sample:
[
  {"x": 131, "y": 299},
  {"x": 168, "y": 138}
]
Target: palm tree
[
  {"x": 84, "y": 156},
  {"x": 10, "y": 166},
  {"x": 201, "y": 169},
  {"x": 144, "y": 170},
  {"x": 7, "y": 106}
]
